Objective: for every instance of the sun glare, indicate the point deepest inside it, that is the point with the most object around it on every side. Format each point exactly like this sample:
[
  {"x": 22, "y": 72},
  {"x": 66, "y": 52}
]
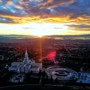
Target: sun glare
[
  {"x": 38, "y": 32},
  {"x": 37, "y": 29},
  {"x": 42, "y": 29}
]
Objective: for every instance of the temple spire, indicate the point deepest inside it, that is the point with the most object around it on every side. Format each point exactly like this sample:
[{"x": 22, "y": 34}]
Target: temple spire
[
  {"x": 26, "y": 54},
  {"x": 26, "y": 59}
]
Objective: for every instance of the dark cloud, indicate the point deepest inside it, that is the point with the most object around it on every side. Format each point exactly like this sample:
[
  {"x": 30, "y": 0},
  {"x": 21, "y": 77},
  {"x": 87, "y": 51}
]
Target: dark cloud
[
  {"x": 71, "y": 10},
  {"x": 6, "y": 20},
  {"x": 28, "y": 28},
  {"x": 76, "y": 9},
  {"x": 29, "y": 6},
  {"x": 80, "y": 27}
]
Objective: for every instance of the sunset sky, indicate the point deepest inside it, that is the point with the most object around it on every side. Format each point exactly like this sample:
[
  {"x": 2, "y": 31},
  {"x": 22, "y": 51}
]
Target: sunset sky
[{"x": 45, "y": 17}]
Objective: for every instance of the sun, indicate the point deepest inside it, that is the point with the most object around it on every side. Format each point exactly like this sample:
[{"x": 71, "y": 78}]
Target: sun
[
  {"x": 39, "y": 32},
  {"x": 42, "y": 29},
  {"x": 40, "y": 36}
]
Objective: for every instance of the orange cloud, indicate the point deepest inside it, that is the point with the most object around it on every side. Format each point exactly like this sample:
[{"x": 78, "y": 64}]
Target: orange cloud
[
  {"x": 48, "y": 18},
  {"x": 19, "y": 7},
  {"x": 9, "y": 2},
  {"x": 56, "y": 3},
  {"x": 0, "y": 0}
]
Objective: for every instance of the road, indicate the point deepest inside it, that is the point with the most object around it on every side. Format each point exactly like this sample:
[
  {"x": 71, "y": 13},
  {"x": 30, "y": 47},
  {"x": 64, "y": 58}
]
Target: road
[{"x": 40, "y": 87}]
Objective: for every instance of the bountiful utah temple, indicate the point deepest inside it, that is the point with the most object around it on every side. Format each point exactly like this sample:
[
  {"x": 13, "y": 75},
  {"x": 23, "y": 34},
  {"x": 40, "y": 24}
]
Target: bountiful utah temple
[{"x": 26, "y": 66}]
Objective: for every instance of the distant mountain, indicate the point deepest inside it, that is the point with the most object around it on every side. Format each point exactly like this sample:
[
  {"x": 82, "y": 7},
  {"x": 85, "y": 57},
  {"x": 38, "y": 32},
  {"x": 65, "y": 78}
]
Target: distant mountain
[
  {"x": 1, "y": 36},
  {"x": 86, "y": 36},
  {"x": 15, "y": 36}
]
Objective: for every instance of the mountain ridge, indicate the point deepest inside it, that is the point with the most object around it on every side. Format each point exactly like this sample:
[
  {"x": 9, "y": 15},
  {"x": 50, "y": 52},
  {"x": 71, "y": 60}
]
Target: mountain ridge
[{"x": 52, "y": 36}]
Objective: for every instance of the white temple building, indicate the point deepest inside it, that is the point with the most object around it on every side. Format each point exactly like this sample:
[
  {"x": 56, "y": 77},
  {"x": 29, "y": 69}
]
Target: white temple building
[{"x": 26, "y": 66}]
